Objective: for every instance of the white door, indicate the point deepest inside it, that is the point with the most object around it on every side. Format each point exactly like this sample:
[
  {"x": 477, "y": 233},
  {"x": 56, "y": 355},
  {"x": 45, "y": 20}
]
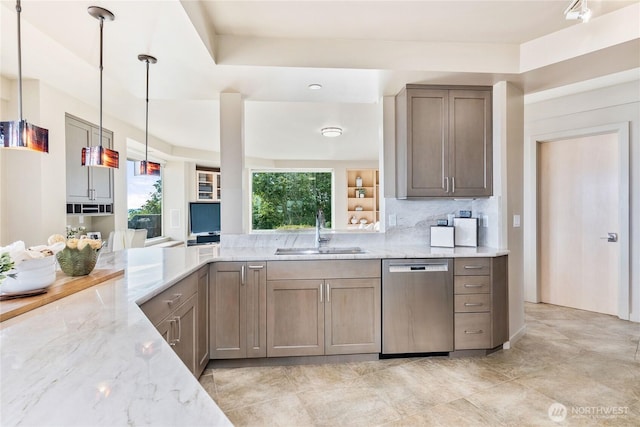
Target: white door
[{"x": 578, "y": 206}]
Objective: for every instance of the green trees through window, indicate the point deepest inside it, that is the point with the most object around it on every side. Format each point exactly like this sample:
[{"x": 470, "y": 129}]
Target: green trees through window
[
  {"x": 290, "y": 200},
  {"x": 144, "y": 202}
]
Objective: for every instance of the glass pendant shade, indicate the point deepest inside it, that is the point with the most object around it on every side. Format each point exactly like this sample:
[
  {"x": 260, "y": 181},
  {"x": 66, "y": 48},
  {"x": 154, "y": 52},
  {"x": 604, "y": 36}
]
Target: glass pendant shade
[
  {"x": 144, "y": 167},
  {"x": 100, "y": 156},
  {"x": 20, "y": 134}
]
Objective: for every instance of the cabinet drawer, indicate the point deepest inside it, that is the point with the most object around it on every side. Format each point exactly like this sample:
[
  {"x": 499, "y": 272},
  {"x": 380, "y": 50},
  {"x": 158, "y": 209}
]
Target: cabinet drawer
[
  {"x": 162, "y": 304},
  {"x": 324, "y": 269},
  {"x": 472, "y": 266},
  {"x": 472, "y": 331},
  {"x": 472, "y": 303},
  {"x": 472, "y": 284}
]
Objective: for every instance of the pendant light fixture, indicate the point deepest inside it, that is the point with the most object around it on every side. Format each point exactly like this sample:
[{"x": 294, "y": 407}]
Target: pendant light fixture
[
  {"x": 20, "y": 133},
  {"x": 146, "y": 167},
  {"x": 98, "y": 155}
]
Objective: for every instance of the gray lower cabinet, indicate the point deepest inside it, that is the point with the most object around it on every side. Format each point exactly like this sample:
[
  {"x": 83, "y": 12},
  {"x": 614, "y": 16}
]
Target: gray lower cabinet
[
  {"x": 86, "y": 184},
  {"x": 323, "y": 307},
  {"x": 238, "y": 319},
  {"x": 175, "y": 313},
  {"x": 444, "y": 141},
  {"x": 481, "y": 303},
  {"x": 202, "y": 347}
]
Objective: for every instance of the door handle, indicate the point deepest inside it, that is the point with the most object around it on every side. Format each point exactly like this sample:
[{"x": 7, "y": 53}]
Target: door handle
[
  {"x": 321, "y": 287},
  {"x": 446, "y": 182},
  {"x": 611, "y": 237},
  {"x": 242, "y": 275}
]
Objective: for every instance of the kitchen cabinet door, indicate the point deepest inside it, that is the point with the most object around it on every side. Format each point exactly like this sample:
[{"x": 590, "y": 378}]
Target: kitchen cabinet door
[
  {"x": 202, "y": 347},
  {"x": 427, "y": 159},
  {"x": 184, "y": 334},
  {"x": 470, "y": 143},
  {"x": 238, "y": 310},
  {"x": 256, "y": 309},
  {"x": 352, "y": 316},
  {"x": 228, "y": 306},
  {"x": 295, "y": 318}
]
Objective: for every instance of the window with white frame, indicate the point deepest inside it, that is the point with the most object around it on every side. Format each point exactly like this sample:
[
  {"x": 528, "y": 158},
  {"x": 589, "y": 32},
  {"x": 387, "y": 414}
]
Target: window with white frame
[{"x": 144, "y": 202}]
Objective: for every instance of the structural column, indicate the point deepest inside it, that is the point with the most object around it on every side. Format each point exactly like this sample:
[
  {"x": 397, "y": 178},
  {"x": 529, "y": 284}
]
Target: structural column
[{"x": 233, "y": 211}]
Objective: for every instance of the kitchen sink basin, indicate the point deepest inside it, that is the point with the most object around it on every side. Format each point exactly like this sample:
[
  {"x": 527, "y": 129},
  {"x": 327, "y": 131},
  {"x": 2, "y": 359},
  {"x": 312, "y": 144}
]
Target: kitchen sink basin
[{"x": 319, "y": 251}]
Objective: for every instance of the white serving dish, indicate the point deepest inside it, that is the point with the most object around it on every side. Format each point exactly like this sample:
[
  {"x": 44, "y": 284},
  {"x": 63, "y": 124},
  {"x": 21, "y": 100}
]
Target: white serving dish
[{"x": 30, "y": 275}]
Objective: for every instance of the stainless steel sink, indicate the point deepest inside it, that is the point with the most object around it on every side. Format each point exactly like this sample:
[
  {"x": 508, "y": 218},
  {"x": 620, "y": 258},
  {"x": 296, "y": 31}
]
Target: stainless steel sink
[{"x": 319, "y": 251}]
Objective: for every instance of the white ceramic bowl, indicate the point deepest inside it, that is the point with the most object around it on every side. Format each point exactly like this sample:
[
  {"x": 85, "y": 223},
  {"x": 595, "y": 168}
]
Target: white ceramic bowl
[{"x": 31, "y": 275}]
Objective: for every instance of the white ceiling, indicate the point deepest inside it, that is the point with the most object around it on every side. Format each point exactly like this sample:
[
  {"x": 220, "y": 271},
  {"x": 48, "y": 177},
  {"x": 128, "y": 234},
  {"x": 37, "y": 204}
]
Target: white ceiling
[{"x": 270, "y": 51}]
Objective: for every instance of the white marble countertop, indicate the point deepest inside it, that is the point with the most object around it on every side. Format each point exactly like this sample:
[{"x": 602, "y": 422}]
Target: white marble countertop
[{"x": 93, "y": 358}]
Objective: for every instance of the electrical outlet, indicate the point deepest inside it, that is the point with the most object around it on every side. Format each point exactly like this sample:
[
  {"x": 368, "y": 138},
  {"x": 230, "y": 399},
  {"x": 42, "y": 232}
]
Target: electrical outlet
[
  {"x": 392, "y": 220},
  {"x": 485, "y": 221}
]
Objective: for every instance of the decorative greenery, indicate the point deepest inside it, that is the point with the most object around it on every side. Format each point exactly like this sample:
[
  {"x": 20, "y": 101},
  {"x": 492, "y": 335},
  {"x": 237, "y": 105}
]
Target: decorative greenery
[
  {"x": 6, "y": 264},
  {"x": 153, "y": 205},
  {"x": 149, "y": 216},
  {"x": 289, "y": 200}
]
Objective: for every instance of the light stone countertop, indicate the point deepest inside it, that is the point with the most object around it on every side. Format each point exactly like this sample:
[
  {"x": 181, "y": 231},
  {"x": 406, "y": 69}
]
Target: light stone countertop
[{"x": 93, "y": 358}]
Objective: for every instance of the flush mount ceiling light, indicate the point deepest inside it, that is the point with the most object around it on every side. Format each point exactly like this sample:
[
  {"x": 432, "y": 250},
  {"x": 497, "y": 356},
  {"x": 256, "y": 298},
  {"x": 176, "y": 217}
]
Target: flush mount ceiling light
[
  {"x": 331, "y": 132},
  {"x": 98, "y": 155},
  {"x": 146, "y": 167},
  {"x": 19, "y": 133},
  {"x": 314, "y": 86},
  {"x": 578, "y": 9}
]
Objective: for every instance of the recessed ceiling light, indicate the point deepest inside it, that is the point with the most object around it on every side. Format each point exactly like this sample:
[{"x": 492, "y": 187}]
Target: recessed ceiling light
[
  {"x": 314, "y": 86},
  {"x": 331, "y": 132}
]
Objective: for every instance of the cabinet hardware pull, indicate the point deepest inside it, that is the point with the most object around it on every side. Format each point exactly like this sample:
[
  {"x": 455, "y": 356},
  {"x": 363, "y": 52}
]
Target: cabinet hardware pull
[
  {"x": 256, "y": 267},
  {"x": 169, "y": 340},
  {"x": 473, "y": 304},
  {"x": 479, "y": 331},
  {"x": 321, "y": 286},
  {"x": 177, "y": 340},
  {"x": 473, "y": 267},
  {"x": 176, "y": 298},
  {"x": 446, "y": 182},
  {"x": 472, "y": 286},
  {"x": 328, "y": 292},
  {"x": 242, "y": 275},
  {"x": 453, "y": 184}
]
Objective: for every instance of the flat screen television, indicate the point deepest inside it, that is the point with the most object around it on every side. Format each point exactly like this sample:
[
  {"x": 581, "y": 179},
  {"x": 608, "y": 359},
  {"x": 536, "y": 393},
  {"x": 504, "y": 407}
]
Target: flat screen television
[{"x": 204, "y": 218}]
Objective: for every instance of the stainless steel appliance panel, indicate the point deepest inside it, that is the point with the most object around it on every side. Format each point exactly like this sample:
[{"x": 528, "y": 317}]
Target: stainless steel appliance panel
[{"x": 417, "y": 306}]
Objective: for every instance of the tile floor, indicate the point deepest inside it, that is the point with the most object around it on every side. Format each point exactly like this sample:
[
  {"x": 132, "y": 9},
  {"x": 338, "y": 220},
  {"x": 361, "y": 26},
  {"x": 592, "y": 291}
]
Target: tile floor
[{"x": 588, "y": 362}]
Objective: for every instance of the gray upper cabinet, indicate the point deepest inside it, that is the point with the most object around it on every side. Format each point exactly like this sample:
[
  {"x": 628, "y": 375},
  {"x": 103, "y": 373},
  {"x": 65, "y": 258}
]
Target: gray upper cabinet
[
  {"x": 86, "y": 184},
  {"x": 444, "y": 142}
]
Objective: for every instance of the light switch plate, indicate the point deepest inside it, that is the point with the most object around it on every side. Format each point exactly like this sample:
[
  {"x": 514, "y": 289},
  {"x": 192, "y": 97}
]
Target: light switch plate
[
  {"x": 516, "y": 221},
  {"x": 392, "y": 220}
]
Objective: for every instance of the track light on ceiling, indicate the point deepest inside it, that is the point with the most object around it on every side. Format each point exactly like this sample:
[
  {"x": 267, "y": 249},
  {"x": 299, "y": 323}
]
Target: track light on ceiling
[
  {"x": 98, "y": 155},
  {"x": 331, "y": 132},
  {"x": 578, "y": 9},
  {"x": 146, "y": 167},
  {"x": 19, "y": 133}
]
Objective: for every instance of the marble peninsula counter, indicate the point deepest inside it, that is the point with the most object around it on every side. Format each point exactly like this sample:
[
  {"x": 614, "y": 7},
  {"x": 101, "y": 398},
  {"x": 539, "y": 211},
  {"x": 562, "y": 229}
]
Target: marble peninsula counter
[{"x": 93, "y": 358}]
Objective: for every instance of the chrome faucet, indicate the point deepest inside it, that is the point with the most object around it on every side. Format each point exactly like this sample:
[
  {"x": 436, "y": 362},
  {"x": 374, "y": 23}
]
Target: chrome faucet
[{"x": 320, "y": 223}]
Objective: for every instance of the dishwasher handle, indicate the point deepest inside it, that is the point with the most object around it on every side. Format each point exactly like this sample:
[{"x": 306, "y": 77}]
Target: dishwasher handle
[{"x": 418, "y": 268}]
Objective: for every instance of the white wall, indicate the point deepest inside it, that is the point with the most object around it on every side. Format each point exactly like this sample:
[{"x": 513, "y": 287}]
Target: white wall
[{"x": 601, "y": 107}]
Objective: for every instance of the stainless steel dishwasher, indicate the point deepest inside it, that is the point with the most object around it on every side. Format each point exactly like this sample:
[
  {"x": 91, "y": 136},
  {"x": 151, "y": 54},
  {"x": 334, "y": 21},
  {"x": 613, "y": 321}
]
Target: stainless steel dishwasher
[{"x": 417, "y": 306}]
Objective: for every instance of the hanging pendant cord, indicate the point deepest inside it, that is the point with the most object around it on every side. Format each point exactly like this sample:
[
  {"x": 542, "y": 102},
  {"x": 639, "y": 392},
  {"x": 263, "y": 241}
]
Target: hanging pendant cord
[
  {"x": 146, "y": 128},
  {"x": 101, "y": 30},
  {"x": 18, "y": 10}
]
